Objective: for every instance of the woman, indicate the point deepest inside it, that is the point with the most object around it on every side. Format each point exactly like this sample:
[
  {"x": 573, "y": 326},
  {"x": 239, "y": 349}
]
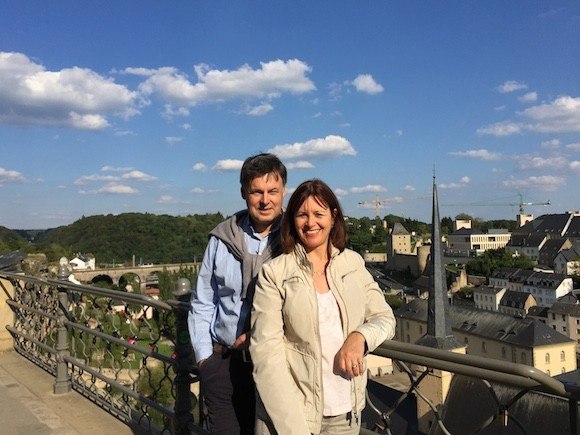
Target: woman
[{"x": 316, "y": 312}]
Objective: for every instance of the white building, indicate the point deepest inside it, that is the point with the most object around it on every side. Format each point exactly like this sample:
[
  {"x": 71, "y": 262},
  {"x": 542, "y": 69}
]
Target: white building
[
  {"x": 82, "y": 262},
  {"x": 468, "y": 240},
  {"x": 488, "y": 297}
]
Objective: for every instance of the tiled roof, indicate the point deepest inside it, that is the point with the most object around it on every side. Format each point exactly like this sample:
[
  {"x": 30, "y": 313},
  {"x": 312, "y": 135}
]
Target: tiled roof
[{"x": 496, "y": 326}]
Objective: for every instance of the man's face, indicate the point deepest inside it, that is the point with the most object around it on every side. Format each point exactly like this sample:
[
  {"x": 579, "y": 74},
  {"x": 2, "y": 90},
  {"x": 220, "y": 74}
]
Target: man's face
[{"x": 264, "y": 197}]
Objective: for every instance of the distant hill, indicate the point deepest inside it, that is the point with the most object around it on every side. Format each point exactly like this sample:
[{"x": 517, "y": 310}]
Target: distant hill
[
  {"x": 116, "y": 238},
  {"x": 11, "y": 240}
]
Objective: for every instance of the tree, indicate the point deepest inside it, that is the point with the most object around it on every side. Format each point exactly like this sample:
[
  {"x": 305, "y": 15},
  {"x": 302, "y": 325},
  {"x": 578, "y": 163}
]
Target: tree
[{"x": 494, "y": 259}]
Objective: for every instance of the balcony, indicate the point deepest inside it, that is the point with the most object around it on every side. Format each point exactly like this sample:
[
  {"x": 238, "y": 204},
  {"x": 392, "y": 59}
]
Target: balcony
[{"x": 83, "y": 359}]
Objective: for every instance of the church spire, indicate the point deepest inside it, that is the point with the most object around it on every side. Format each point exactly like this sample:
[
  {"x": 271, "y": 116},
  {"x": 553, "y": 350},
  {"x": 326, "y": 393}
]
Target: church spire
[{"x": 439, "y": 333}]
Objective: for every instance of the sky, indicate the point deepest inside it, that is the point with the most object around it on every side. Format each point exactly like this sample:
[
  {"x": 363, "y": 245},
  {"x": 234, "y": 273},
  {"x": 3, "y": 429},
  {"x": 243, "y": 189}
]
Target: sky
[{"x": 151, "y": 106}]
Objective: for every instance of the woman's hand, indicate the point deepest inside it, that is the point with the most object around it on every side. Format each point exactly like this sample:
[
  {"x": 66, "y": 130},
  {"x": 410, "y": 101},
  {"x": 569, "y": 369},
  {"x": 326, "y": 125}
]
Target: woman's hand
[{"x": 349, "y": 359}]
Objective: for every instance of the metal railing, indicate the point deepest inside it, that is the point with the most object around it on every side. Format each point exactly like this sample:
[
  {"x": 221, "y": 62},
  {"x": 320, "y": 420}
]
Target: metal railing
[{"x": 131, "y": 354}]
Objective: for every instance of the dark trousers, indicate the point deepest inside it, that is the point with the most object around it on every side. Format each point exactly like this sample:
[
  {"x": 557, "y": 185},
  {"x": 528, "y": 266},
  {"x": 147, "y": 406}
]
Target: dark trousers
[{"x": 229, "y": 391}]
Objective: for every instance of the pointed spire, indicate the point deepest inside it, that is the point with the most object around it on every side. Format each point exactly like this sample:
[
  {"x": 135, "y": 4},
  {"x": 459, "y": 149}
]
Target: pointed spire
[{"x": 439, "y": 333}]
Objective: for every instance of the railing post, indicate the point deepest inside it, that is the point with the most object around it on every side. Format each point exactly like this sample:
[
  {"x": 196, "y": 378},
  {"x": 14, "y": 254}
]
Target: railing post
[
  {"x": 63, "y": 381},
  {"x": 183, "y": 361}
]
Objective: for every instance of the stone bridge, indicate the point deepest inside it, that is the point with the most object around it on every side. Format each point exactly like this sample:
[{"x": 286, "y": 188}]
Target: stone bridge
[{"x": 115, "y": 273}]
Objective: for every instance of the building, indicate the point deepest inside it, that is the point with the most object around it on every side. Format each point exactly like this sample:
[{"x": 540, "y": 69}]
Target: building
[
  {"x": 398, "y": 241},
  {"x": 471, "y": 240},
  {"x": 82, "y": 262},
  {"x": 488, "y": 297},
  {"x": 551, "y": 249},
  {"x": 515, "y": 303},
  {"x": 526, "y": 244},
  {"x": 564, "y": 316},
  {"x": 567, "y": 262},
  {"x": 555, "y": 226},
  {"x": 496, "y": 335}
]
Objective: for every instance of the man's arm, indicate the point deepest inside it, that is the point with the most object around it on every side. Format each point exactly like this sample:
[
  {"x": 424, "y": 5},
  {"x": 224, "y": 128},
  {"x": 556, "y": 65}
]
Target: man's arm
[{"x": 203, "y": 305}]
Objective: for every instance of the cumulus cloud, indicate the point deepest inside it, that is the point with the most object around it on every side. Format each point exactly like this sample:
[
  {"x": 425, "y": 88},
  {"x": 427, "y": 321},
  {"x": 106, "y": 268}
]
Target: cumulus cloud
[
  {"x": 340, "y": 192},
  {"x": 463, "y": 182},
  {"x": 301, "y": 164},
  {"x": 482, "y": 154},
  {"x": 259, "y": 110},
  {"x": 529, "y": 97},
  {"x": 228, "y": 165},
  {"x": 9, "y": 176},
  {"x": 511, "y": 86},
  {"x": 172, "y": 140},
  {"x": 166, "y": 199},
  {"x": 111, "y": 189},
  {"x": 575, "y": 165},
  {"x": 329, "y": 147},
  {"x": 559, "y": 116},
  {"x": 138, "y": 176},
  {"x": 369, "y": 188},
  {"x": 573, "y": 146},
  {"x": 93, "y": 178},
  {"x": 408, "y": 188},
  {"x": 271, "y": 80},
  {"x": 551, "y": 144},
  {"x": 198, "y": 191},
  {"x": 367, "y": 84},
  {"x": 73, "y": 97},
  {"x": 546, "y": 183},
  {"x": 537, "y": 162},
  {"x": 199, "y": 167}
]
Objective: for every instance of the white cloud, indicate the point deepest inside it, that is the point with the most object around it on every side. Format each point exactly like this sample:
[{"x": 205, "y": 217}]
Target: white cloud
[
  {"x": 463, "y": 182},
  {"x": 93, "y": 178},
  {"x": 511, "y": 86},
  {"x": 328, "y": 147},
  {"x": 228, "y": 165},
  {"x": 111, "y": 188},
  {"x": 575, "y": 165},
  {"x": 482, "y": 154},
  {"x": 186, "y": 126},
  {"x": 259, "y": 110},
  {"x": 172, "y": 140},
  {"x": 546, "y": 183},
  {"x": 198, "y": 191},
  {"x": 199, "y": 167},
  {"x": 408, "y": 188},
  {"x": 504, "y": 128},
  {"x": 551, "y": 144},
  {"x": 573, "y": 146},
  {"x": 399, "y": 132},
  {"x": 109, "y": 168},
  {"x": 166, "y": 199},
  {"x": 138, "y": 176},
  {"x": 369, "y": 188},
  {"x": 170, "y": 112},
  {"x": 559, "y": 116},
  {"x": 122, "y": 133},
  {"x": 269, "y": 81},
  {"x": 367, "y": 84},
  {"x": 301, "y": 164},
  {"x": 72, "y": 97},
  {"x": 10, "y": 176},
  {"x": 340, "y": 192},
  {"x": 536, "y": 162},
  {"x": 529, "y": 97}
]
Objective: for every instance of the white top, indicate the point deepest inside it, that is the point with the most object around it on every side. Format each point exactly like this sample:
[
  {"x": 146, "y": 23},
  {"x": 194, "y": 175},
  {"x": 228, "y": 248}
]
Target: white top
[{"x": 336, "y": 389}]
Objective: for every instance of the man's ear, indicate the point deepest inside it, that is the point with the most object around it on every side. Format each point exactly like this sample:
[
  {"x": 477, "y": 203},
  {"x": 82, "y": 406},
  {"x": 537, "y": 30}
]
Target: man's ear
[{"x": 243, "y": 193}]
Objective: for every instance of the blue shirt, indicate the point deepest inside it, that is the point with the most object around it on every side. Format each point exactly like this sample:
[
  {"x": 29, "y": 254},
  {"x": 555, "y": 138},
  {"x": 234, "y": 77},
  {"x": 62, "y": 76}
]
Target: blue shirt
[{"x": 218, "y": 314}]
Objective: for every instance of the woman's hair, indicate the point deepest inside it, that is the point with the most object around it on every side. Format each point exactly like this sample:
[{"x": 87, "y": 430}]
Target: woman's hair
[{"x": 325, "y": 197}]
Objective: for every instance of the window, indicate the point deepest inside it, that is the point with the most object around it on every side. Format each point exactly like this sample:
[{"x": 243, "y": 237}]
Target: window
[
  {"x": 421, "y": 329},
  {"x": 547, "y": 358},
  {"x": 548, "y": 373},
  {"x": 563, "y": 328},
  {"x": 483, "y": 347},
  {"x": 563, "y": 370},
  {"x": 466, "y": 341},
  {"x": 407, "y": 325},
  {"x": 562, "y": 356},
  {"x": 563, "y": 317},
  {"x": 553, "y": 316}
]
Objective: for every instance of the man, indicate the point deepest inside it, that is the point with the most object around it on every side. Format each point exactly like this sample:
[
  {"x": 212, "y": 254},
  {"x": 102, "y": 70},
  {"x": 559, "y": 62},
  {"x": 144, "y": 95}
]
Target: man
[{"x": 220, "y": 306}]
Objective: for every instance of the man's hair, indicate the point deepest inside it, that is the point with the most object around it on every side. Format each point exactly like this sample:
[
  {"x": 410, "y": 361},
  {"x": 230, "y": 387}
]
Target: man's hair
[
  {"x": 324, "y": 195},
  {"x": 260, "y": 165}
]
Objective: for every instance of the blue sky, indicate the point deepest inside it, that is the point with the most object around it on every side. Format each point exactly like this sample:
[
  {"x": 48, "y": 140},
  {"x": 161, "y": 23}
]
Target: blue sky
[{"x": 150, "y": 106}]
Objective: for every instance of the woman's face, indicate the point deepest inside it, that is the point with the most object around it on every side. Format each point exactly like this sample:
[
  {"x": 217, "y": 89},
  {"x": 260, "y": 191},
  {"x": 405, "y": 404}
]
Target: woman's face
[{"x": 313, "y": 222}]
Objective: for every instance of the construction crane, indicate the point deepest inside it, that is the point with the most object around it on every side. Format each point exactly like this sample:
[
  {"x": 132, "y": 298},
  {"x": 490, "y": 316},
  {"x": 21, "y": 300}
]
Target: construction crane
[
  {"x": 519, "y": 204},
  {"x": 379, "y": 203}
]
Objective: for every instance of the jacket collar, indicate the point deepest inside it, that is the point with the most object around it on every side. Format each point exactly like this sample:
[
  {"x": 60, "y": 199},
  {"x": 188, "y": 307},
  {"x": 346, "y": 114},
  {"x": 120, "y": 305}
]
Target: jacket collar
[{"x": 303, "y": 260}]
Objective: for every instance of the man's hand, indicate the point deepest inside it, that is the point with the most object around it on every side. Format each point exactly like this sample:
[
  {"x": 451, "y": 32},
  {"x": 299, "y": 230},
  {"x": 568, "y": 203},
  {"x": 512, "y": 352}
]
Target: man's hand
[
  {"x": 349, "y": 359},
  {"x": 242, "y": 342}
]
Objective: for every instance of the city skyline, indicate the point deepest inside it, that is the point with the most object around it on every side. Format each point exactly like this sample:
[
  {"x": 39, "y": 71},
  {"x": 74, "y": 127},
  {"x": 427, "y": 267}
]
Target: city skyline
[{"x": 151, "y": 107}]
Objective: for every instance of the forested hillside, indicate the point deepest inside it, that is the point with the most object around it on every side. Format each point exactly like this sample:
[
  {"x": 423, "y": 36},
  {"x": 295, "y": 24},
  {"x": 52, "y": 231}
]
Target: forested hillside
[
  {"x": 116, "y": 238},
  {"x": 11, "y": 240}
]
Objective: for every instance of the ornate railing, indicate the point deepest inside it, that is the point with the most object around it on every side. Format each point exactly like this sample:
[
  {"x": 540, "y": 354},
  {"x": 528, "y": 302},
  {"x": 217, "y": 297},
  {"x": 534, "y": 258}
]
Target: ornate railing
[{"x": 131, "y": 354}]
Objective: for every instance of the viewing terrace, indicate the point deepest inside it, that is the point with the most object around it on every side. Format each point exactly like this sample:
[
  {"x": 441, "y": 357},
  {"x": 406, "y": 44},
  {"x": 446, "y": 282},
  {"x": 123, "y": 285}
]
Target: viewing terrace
[{"x": 73, "y": 363}]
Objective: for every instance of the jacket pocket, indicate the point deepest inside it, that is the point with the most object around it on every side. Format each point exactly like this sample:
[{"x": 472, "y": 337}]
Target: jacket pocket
[{"x": 303, "y": 369}]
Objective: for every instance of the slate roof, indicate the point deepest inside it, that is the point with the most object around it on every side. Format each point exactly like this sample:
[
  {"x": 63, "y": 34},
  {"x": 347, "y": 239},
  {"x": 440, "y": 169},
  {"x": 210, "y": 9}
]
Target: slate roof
[
  {"x": 514, "y": 299},
  {"x": 526, "y": 240},
  {"x": 572, "y": 310},
  {"x": 495, "y": 326},
  {"x": 538, "y": 311},
  {"x": 399, "y": 230},
  {"x": 569, "y": 254},
  {"x": 488, "y": 290}
]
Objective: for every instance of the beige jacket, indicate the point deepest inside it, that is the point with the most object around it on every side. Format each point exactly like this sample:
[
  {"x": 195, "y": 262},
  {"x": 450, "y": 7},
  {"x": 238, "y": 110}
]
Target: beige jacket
[{"x": 285, "y": 342}]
